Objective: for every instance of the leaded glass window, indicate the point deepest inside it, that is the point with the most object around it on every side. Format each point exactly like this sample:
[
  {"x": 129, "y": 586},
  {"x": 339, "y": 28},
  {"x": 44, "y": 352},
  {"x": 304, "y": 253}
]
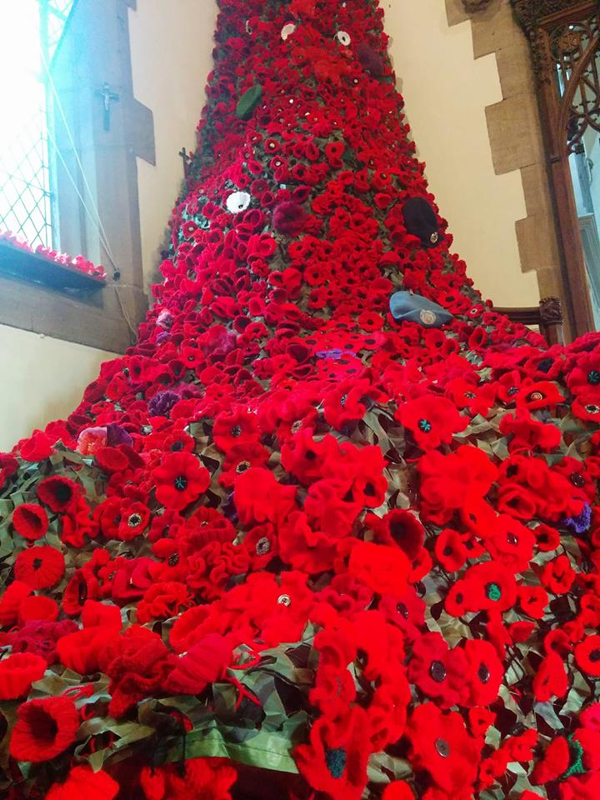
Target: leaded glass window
[{"x": 29, "y": 38}]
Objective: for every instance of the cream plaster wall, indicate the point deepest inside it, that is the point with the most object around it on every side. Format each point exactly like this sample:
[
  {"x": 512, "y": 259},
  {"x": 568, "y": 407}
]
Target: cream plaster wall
[
  {"x": 42, "y": 378},
  {"x": 171, "y": 53},
  {"x": 446, "y": 93}
]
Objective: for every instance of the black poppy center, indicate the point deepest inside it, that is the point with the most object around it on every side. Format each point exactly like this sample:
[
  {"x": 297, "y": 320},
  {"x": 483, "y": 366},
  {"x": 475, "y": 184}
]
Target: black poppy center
[
  {"x": 437, "y": 671},
  {"x": 594, "y": 377},
  {"x": 181, "y": 483},
  {"x": 595, "y": 655},
  {"x": 63, "y": 492}
]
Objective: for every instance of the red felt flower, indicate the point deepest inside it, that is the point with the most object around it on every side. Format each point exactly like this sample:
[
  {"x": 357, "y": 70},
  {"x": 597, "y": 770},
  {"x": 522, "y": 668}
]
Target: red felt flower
[
  {"x": 44, "y": 729},
  {"x": 180, "y": 480}
]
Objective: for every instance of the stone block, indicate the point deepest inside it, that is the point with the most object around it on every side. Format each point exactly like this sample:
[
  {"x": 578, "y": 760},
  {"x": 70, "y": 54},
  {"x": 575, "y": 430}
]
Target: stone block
[
  {"x": 515, "y": 133},
  {"x": 495, "y": 29},
  {"x": 455, "y": 11},
  {"x": 538, "y": 244},
  {"x": 536, "y": 187},
  {"x": 515, "y": 69}
]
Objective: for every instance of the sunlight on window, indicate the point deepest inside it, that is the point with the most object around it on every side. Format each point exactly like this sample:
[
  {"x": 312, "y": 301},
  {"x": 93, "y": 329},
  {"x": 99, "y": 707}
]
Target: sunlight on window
[{"x": 24, "y": 179}]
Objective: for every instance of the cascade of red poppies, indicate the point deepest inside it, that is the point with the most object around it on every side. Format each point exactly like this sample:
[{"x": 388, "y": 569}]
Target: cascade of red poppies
[{"x": 292, "y": 544}]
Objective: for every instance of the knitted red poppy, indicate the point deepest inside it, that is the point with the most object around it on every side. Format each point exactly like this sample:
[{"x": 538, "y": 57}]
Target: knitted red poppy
[
  {"x": 40, "y": 567},
  {"x": 44, "y": 728},
  {"x": 83, "y": 781},
  {"x": 180, "y": 480},
  {"x": 441, "y": 746},
  {"x": 30, "y": 521},
  {"x": 58, "y": 493},
  {"x": 18, "y": 672}
]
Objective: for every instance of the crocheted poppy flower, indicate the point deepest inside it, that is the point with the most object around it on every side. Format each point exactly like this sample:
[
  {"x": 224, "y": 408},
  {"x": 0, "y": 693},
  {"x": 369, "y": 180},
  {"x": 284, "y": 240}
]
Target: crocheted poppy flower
[
  {"x": 44, "y": 728},
  {"x": 204, "y": 663},
  {"x": 484, "y": 673},
  {"x": 510, "y": 543},
  {"x": 587, "y": 655},
  {"x": 84, "y": 782},
  {"x": 450, "y": 550},
  {"x": 234, "y": 427},
  {"x": 18, "y": 672},
  {"x": 346, "y": 403},
  {"x": 381, "y": 568},
  {"x": 38, "y": 607},
  {"x": 30, "y": 521},
  {"x": 180, "y": 480},
  {"x": 431, "y": 420},
  {"x": 86, "y": 651},
  {"x": 139, "y": 666},
  {"x": 10, "y": 602},
  {"x": 195, "y": 777},
  {"x": 584, "y": 377},
  {"x": 484, "y": 587},
  {"x": 400, "y": 528},
  {"x": 438, "y": 671},
  {"x": 526, "y": 433},
  {"x": 551, "y": 679},
  {"x": 533, "y": 600},
  {"x": 58, "y": 493},
  {"x": 558, "y": 575},
  {"x": 289, "y": 218},
  {"x": 441, "y": 746},
  {"x": 8, "y": 466},
  {"x": 335, "y": 760},
  {"x": 40, "y": 567},
  {"x": 447, "y": 481},
  {"x": 398, "y": 790},
  {"x": 36, "y": 448}
]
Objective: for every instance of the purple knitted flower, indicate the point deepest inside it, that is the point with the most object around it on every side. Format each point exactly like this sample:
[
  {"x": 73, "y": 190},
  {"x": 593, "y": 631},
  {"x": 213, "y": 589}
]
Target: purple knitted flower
[
  {"x": 162, "y": 403},
  {"x": 116, "y": 435},
  {"x": 581, "y": 523}
]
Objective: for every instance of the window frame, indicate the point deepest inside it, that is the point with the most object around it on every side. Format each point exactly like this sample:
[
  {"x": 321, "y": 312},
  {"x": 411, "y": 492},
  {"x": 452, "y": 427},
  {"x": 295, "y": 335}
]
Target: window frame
[{"x": 105, "y": 318}]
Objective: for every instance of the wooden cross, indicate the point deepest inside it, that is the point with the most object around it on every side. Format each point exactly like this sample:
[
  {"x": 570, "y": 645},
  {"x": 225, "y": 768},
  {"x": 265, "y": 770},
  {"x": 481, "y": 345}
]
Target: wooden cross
[
  {"x": 107, "y": 97},
  {"x": 187, "y": 160}
]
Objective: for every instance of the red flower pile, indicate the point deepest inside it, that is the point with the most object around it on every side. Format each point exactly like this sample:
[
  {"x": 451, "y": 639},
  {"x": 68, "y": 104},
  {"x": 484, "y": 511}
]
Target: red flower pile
[
  {"x": 288, "y": 546},
  {"x": 77, "y": 262}
]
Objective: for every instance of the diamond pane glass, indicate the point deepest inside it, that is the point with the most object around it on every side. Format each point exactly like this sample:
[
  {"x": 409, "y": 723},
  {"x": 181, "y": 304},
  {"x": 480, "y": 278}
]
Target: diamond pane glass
[
  {"x": 28, "y": 37},
  {"x": 58, "y": 13}
]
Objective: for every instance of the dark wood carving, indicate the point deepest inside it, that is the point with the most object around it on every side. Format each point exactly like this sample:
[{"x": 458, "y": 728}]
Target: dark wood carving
[
  {"x": 548, "y": 316},
  {"x": 564, "y": 39}
]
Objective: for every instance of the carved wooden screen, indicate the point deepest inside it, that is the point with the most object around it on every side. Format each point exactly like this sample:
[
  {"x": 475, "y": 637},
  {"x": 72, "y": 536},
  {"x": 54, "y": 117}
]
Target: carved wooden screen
[{"x": 564, "y": 37}]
